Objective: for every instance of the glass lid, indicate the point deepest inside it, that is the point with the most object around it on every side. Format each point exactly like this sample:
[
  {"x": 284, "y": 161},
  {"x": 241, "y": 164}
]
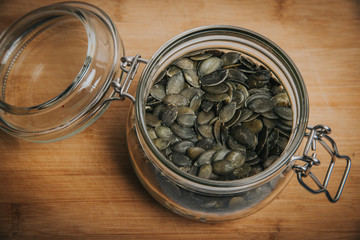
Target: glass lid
[{"x": 57, "y": 64}]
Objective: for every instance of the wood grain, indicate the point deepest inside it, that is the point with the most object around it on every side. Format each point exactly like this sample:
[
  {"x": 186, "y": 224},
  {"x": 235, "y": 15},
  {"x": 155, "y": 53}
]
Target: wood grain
[{"x": 84, "y": 187}]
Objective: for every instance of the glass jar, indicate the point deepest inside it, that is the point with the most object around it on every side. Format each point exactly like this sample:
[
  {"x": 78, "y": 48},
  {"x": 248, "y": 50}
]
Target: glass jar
[
  {"x": 57, "y": 64},
  {"x": 73, "y": 104}
]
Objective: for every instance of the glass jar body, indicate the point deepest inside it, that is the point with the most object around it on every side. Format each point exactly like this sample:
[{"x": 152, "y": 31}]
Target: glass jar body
[
  {"x": 198, "y": 205},
  {"x": 210, "y": 200}
]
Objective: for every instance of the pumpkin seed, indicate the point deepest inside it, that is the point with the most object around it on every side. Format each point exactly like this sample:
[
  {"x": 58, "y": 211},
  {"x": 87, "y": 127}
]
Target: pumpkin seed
[
  {"x": 172, "y": 71},
  {"x": 215, "y": 52},
  {"x": 234, "y": 145},
  {"x": 184, "y": 63},
  {"x": 213, "y": 78},
  {"x": 272, "y": 138},
  {"x": 234, "y": 119},
  {"x": 263, "y": 75},
  {"x": 182, "y": 146},
  {"x": 157, "y": 110},
  {"x": 158, "y": 91},
  {"x": 201, "y": 56},
  {"x": 160, "y": 77},
  {"x": 242, "y": 172},
  {"x": 253, "y": 162},
  {"x": 244, "y": 136},
  {"x": 237, "y": 158},
  {"x": 262, "y": 140},
  {"x": 194, "y": 152},
  {"x": 270, "y": 160},
  {"x": 212, "y": 121},
  {"x": 254, "y": 125},
  {"x": 243, "y": 90},
  {"x": 261, "y": 105},
  {"x": 216, "y": 97},
  {"x": 206, "y": 143},
  {"x": 284, "y": 112},
  {"x": 245, "y": 114},
  {"x": 191, "y": 77},
  {"x": 186, "y": 120},
  {"x": 206, "y": 105},
  {"x": 217, "y": 132},
  {"x": 247, "y": 62},
  {"x": 190, "y": 92},
  {"x": 164, "y": 132},
  {"x": 185, "y": 110},
  {"x": 209, "y": 66},
  {"x": 151, "y": 120},
  {"x": 161, "y": 143},
  {"x": 236, "y": 75},
  {"x": 250, "y": 155},
  {"x": 152, "y": 133},
  {"x": 217, "y": 89},
  {"x": 206, "y": 131},
  {"x": 182, "y": 132},
  {"x": 180, "y": 160},
  {"x": 269, "y": 123},
  {"x": 281, "y": 99},
  {"x": 227, "y": 112},
  {"x": 175, "y": 84},
  {"x": 222, "y": 167},
  {"x": 205, "y": 171},
  {"x": 252, "y": 117},
  {"x": 205, "y": 117},
  {"x": 204, "y": 158},
  {"x": 255, "y": 96},
  {"x": 230, "y": 58},
  {"x": 238, "y": 98},
  {"x": 264, "y": 90},
  {"x": 195, "y": 103},
  {"x": 169, "y": 114},
  {"x": 270, "y": 115},
  {"x": 277, "y": 89},
  {"x": 281, "y": 143},
  {"x": 237, "y": 203},
  {"x": 219, "y": 155},
  {"x": 176, "y": 99}
]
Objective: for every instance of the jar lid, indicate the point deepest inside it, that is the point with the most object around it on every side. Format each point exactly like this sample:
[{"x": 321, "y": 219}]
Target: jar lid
[{"x": 57, "y": 65}]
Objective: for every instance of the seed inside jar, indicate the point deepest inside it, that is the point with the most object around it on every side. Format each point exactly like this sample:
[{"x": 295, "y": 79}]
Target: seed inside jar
[{"x": 219, "y": 115}]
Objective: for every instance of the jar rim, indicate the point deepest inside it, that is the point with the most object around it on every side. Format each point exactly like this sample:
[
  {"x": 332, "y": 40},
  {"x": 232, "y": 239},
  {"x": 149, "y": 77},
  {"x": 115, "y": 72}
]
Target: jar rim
[{"x": 204, "y": 185}]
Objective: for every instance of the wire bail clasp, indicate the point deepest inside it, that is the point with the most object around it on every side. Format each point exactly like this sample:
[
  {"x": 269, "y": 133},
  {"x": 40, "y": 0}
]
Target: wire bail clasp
[
  {"x": 128, "y": 65},
  {"x": 320, "y": 133}
]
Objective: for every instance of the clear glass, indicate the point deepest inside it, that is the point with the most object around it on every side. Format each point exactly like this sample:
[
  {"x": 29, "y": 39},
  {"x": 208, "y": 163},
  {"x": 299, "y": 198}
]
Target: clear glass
[
  {"x": 209, "y": 200},
  {"x": 57, "y": 64}
]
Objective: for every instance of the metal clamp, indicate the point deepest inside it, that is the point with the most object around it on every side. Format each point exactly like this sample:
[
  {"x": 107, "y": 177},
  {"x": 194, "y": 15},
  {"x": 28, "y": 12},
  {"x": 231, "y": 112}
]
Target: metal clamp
[
  {"x": 320, "y": 133},
  {"x": 129, "y": 65}
]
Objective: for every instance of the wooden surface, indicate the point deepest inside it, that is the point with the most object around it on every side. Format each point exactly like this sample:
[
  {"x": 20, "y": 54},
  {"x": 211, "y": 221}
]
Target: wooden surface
[{"x": 84, "y": 187}]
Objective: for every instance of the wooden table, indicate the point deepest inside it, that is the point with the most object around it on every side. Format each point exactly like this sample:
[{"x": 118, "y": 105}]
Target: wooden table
[{"x": 84, "y": 187}]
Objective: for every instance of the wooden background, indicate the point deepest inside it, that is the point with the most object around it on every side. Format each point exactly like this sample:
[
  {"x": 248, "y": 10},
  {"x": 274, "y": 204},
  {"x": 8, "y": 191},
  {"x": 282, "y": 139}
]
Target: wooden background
[{"x": 84, "y": 187}]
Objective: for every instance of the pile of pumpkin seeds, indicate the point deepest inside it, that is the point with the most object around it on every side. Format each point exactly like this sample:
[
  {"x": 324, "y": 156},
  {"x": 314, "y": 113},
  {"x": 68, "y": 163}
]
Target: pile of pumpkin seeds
[{"x": 219, "y": 115}]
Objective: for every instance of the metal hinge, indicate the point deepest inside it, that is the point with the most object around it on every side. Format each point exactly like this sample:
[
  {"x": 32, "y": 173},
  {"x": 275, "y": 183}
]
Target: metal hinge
[
  {"x": 320, "y": 133},
  {"x": 129, "y": 65}
]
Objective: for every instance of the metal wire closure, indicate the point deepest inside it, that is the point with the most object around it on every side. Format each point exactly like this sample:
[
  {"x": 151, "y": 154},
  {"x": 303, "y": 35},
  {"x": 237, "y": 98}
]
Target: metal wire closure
[
  {"x": 122, "y": 87},
  {"x": 320, "y": 133}
]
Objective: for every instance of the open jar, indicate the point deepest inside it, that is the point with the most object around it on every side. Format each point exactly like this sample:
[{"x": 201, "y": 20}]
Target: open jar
[{"x": 65, "y": 91}]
